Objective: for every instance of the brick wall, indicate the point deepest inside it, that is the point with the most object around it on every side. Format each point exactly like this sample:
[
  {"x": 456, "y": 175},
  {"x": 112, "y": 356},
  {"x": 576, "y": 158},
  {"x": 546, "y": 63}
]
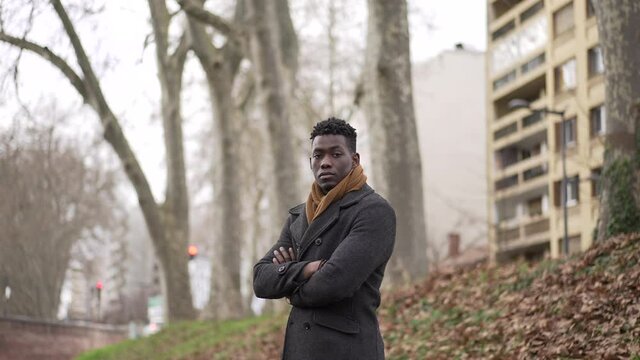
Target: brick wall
[{"x": 23, "y": 338}]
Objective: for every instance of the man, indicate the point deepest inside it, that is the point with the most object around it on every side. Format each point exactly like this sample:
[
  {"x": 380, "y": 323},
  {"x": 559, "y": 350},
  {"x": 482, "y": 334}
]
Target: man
[{"x": 330, "y": 258}]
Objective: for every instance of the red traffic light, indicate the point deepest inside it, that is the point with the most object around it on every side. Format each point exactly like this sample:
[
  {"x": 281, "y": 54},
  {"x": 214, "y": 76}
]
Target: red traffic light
[
  {"x": 192, "y": 250},
  {"x": 99, "y": 285}
]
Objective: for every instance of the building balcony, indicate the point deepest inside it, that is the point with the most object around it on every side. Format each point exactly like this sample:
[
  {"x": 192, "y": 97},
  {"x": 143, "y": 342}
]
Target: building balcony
[
  {"x": 520, "y": 84},
  {"x": 522, "y": 167},
  {"x": 529, "y": 232},
  {"x": 523, "y": 177}
]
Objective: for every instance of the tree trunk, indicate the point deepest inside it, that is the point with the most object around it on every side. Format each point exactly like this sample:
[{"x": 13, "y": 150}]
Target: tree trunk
[
  {"x": 221, "y": 67},
  {"x": 619, "y": 33},
  {"x": 389, "y": 109},
  {"x": 274, "y": 85},
  {"x": 226, "y": 300}
]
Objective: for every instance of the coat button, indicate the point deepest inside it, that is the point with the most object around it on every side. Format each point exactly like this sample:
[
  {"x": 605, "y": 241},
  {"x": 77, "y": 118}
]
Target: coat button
[
  {"x": 307, "y": 326},
  {"x": 281, "y": 268},
  {"x": 318, "y": 241}
]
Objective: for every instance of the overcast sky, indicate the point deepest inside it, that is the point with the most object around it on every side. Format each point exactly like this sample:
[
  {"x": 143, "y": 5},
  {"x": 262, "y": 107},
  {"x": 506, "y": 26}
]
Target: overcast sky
[
  {"x": 130, "y": 81},
  {"x": 438, "y": 25}
]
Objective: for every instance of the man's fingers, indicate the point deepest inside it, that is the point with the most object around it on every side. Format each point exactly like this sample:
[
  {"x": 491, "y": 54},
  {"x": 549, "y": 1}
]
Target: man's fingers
[
  {"x": 278, "y": 256},
  {"x": 292, "y": 254},
  {"x": 285, "y": 254}
]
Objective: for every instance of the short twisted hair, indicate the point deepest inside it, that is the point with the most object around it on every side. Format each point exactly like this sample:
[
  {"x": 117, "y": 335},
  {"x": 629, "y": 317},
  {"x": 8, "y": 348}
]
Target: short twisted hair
[{"x": 335, "y": 126}]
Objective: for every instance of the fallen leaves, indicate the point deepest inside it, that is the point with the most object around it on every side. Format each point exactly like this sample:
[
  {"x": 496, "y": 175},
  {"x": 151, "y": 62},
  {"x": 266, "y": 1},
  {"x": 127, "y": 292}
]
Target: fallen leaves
[{"x": 587, "y": 307}]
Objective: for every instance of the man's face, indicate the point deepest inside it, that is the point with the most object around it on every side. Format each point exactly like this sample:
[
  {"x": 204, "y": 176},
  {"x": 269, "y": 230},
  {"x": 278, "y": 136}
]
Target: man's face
[{"x": 331, "y": 160}]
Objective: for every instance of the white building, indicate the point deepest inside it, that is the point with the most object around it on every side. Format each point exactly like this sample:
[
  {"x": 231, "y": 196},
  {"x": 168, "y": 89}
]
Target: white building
[{"x": 449, "y": 97}]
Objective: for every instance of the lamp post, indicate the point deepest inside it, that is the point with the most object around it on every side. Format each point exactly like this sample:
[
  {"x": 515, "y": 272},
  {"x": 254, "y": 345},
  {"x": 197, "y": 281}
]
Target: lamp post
[{"x": 524, "y": 104}]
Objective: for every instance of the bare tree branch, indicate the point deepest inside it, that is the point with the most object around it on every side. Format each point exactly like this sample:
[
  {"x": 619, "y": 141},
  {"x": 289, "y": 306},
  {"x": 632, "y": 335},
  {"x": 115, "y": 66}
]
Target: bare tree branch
[
  {"x": 93, "y": 86},
  {"x": 50, "y": 56},
  {"x": 160, "y": 22},
  {"x": 179, "y": 55},
  {"x": 199, "y": 13}
]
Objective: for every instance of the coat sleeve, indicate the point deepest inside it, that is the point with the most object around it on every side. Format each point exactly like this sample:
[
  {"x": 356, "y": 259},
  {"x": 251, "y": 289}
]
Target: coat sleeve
[
  {"x": 274, "y": 281},
  {"x": 368, "y": 245}
]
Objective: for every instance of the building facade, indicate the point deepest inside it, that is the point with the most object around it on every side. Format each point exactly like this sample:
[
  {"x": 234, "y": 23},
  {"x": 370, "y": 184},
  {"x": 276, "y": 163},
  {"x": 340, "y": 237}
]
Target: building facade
[
  {"x": 449, "y": 99},
  {"x": 544, "y": 52}
]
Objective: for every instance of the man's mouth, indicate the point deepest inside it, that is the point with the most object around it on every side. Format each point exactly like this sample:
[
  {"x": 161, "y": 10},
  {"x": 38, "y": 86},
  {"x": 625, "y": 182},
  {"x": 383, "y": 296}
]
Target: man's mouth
[{"x": 324, "y": 176}]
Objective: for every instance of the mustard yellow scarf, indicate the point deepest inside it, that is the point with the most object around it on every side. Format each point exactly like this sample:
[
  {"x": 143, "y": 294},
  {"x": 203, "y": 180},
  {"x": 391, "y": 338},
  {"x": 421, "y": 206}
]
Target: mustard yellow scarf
[{"x": 318, "y": 202}]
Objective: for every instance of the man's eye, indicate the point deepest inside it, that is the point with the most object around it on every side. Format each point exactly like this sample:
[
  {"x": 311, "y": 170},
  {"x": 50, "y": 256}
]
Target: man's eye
[
  {"x": 337, "y": 155},
  {"x": 316, "y": 156}
]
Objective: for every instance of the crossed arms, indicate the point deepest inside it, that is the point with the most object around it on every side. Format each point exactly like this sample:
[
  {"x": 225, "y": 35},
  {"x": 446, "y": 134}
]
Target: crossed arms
[{"x": 367, "y": 246}]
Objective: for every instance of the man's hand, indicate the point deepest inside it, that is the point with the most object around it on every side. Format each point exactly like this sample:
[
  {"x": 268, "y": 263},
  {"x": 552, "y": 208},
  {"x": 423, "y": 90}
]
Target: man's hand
[
  {"x": 311, "y": 268},
  {"x": 282, "y": 256}
]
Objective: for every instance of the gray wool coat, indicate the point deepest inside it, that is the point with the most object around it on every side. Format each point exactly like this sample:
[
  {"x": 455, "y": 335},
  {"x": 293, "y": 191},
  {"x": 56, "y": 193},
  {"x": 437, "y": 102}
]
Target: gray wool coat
[{"x": 333, "y": 316}]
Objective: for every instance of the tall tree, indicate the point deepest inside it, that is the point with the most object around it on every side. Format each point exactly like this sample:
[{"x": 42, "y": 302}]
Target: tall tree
[
  {"x": 274, "y": 51},
  {"x": 221, "y": 65},
  {"x": 619, "y": 34},
  {"x": 50, "y": 200},
  {"x": 266, "y": 37},
  {"x": 165, "y": 222},
  {"x": 388, "y": 105}
]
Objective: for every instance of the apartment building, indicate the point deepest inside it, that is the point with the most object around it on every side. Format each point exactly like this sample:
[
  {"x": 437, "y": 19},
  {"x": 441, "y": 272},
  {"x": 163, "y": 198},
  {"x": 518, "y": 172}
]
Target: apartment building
[{"x": 545, "y": 52}]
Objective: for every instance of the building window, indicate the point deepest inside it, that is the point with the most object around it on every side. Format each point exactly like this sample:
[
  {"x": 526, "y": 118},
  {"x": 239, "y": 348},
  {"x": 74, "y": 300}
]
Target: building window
[
  {"x": 570, "y": 134},
  {"x": 534, "y": 206},
  {"x": 505, "y": 131},
  {"x": 573, "y": 193},
  {"x": 591, "y": 11},
  {"x": 573, "y": 190},
  {"x": 531, "y": 119},
  {"x": 534, "y": 172},
  {"x": 503, "y": 30},
  {"x": 596, "y": 61},
  {"x": 504, "y": 80},
  {"x": 527, "y": 14},
  {"x": 565, "y": 76},
  {"x": 597, "y": 118},
  {"x": 563, "y": 20},
  {"x": 506, "y": 182},
  {"x": 533, "y": 63}
]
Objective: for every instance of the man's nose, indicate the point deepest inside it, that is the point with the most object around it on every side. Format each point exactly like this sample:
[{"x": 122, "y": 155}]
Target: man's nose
[{"x": 326, "y": 162}]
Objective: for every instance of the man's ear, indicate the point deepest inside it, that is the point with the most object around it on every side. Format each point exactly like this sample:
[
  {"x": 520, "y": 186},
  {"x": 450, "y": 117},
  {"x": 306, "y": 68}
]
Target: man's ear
[{"x": 355, "y": 160}]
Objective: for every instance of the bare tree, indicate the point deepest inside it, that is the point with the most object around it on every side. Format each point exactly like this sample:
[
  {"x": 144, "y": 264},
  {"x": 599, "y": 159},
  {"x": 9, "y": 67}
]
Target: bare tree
[
  {"x": 272, "y": 47},
  {"x": 274, "y": 55},
  {"x": 619, "y": 33},
  {"x": 221, "y": 65},
  {"x": 388, "y": 106},
  {"x": 51, "y": 198},
  {"x": 165, "y": 222}
]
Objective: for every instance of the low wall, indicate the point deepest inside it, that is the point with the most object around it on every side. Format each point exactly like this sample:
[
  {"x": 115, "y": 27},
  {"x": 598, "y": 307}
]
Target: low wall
[{"x": 24, "y": 338}]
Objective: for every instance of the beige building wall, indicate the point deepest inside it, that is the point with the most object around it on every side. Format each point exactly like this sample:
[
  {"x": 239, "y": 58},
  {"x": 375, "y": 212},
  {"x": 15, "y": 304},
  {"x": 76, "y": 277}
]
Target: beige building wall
[
  {"x": 543, "y": 51},
  {"x": 449, "y": 97}
]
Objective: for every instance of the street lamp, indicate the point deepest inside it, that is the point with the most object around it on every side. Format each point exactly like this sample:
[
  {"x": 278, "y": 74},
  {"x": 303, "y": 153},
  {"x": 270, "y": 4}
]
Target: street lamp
[{"x": 524, "y": 104}]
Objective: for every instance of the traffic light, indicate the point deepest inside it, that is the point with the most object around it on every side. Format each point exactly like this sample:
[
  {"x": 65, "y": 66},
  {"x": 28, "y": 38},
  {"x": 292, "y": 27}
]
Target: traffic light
[{"x": 192, "y": 251}]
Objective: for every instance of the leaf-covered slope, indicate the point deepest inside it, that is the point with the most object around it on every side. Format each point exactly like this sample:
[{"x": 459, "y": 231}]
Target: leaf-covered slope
[{"x": 587, "y": 307}]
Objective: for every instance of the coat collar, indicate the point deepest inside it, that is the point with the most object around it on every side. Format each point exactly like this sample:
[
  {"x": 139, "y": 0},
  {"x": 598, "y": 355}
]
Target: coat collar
[
  {"x": 303, "y": 233},
  {"x": 347, "y": 200}
]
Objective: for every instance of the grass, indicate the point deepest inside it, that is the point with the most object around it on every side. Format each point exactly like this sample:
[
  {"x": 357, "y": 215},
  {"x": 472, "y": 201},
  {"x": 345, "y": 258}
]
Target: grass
[
  {"x": 195, "y": 339},
  {"x": 568, "y": 308}
]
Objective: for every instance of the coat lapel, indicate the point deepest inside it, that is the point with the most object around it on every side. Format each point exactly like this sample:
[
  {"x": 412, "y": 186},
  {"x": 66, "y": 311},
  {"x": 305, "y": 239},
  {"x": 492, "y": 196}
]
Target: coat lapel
[
  {"x": 328, "y": 218},
  {"x": 299, "y": 225}
]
